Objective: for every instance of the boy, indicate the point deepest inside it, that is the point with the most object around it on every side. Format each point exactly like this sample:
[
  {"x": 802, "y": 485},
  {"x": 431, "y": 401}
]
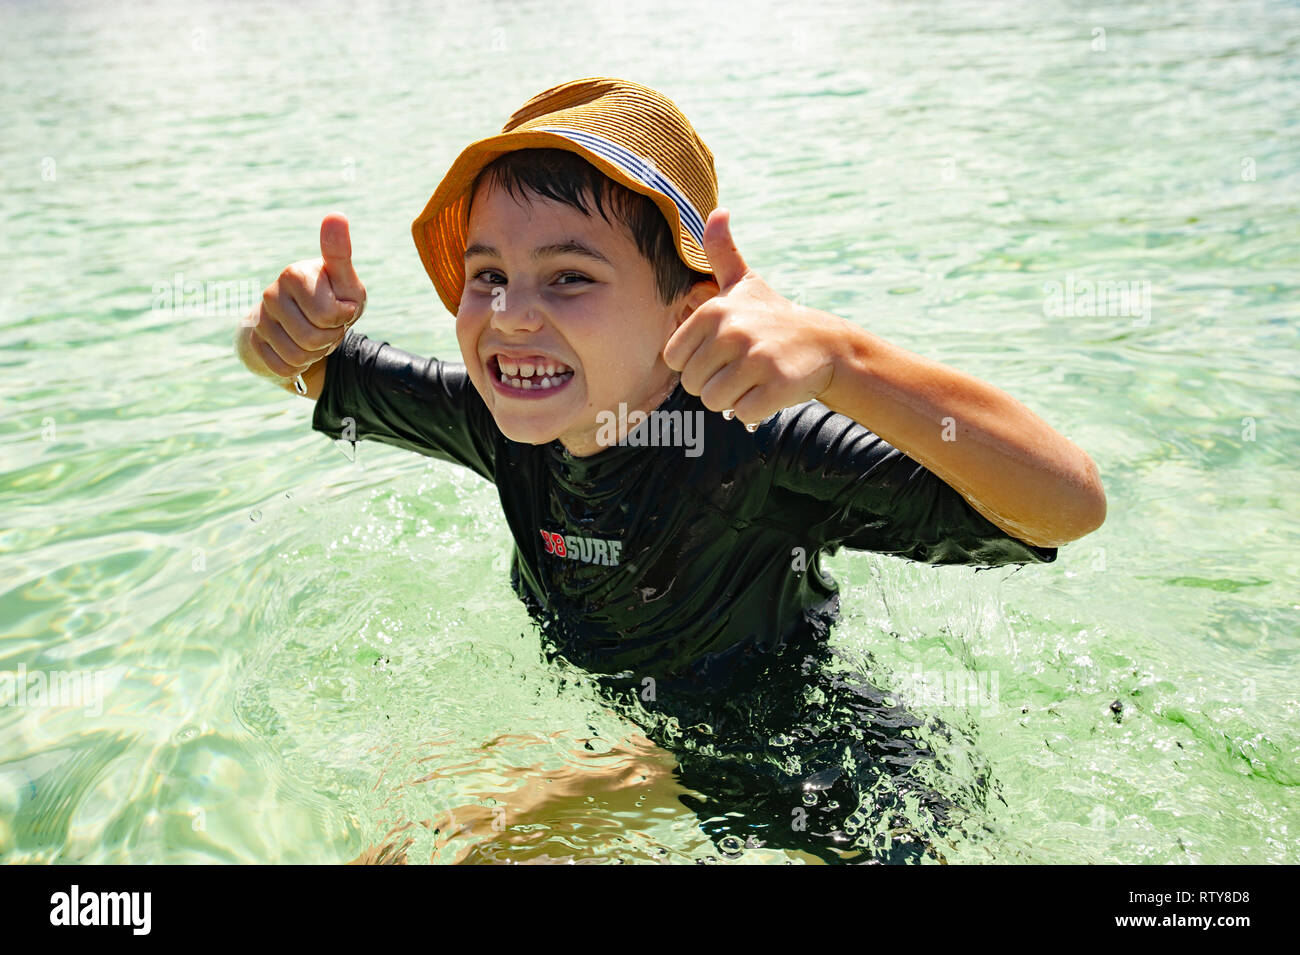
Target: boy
[{"x": 675, "y": 445}]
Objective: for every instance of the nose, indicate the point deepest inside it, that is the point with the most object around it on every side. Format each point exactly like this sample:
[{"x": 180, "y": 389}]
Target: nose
[{"x": 514, "y": 311}]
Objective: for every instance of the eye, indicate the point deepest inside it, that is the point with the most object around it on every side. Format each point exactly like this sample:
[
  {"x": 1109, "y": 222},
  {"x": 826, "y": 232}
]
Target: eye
[
  {"x": 482, "y": 272},
  {"x": 577, "y": 275}
]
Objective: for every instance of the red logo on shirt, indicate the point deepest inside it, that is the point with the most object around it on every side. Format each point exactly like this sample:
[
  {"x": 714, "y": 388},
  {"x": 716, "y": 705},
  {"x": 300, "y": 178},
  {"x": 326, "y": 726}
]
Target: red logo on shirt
[{"x": 591, "y": 550}]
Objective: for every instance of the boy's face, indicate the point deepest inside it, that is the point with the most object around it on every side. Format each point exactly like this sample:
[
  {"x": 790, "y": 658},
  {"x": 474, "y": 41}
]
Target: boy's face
[{"x": 583, "y": 330}]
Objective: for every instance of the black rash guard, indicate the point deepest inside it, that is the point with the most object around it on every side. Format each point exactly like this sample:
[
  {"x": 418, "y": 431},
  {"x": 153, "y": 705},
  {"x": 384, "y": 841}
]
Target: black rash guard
[{"x": 653, "y": 560}]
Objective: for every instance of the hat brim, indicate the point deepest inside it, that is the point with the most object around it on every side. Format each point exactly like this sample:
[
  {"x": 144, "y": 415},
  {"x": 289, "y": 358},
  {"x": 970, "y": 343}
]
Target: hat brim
[{"x": 441, "y": 231}]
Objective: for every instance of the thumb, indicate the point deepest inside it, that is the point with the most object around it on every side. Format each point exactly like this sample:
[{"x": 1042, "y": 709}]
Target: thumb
[
  {"x": 728, "y": 265},
  {"x": 336, "y": 250}
]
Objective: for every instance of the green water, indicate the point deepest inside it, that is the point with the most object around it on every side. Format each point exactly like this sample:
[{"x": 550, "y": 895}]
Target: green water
[{"x": 296, "y": 653}]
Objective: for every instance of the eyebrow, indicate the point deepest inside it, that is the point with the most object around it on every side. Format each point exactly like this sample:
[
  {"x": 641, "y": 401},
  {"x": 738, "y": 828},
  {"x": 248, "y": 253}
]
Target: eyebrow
[{"x": 566, "y": 247}]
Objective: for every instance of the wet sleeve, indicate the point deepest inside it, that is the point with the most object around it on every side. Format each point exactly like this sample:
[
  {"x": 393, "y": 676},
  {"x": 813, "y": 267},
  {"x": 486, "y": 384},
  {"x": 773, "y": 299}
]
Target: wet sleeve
[
  {"x": 420, "y": 404},
  {"x": 871, "y": 496}
]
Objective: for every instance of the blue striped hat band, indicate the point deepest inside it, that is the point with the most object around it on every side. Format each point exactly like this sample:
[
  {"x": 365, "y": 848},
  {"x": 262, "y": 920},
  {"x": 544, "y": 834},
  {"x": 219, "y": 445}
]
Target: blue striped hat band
[{"x": 638, "y": 168}]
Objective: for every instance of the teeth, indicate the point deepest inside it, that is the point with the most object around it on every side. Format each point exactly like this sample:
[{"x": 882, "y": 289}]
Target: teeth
[
  {"x": 529, "y": 375},
  {"x": 525, "y": 369}
]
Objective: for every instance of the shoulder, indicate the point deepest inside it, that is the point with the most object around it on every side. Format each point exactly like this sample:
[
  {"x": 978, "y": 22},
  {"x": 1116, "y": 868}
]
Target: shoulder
[
  {"x": 809, "y": 440},
  {"x": 395, "y": 396}
]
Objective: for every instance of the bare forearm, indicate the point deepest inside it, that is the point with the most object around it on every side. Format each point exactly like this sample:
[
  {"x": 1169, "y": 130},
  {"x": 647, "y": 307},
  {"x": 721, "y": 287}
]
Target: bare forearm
[
  {"x": 749, "y": 349},
  {"x": 1011, "y": 466}
]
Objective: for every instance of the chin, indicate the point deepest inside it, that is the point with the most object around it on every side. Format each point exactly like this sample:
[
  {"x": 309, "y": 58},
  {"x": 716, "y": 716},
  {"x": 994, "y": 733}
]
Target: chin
[{"x": 525, "y": 432}]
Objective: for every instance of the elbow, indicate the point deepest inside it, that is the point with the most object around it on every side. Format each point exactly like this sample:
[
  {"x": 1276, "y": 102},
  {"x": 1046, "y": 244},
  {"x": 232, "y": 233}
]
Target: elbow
[
  {"x": 1094, "y": 501},
  {"x": 1086, "y": 514}
]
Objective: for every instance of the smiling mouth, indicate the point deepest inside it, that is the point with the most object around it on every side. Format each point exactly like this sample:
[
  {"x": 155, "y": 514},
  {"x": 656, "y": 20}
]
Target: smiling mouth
[{"x": 521, "y": 375}]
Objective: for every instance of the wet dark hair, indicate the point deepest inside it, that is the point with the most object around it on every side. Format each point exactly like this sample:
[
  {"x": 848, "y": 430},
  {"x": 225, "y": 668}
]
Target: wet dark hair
[{"x": 566, "y": 177}]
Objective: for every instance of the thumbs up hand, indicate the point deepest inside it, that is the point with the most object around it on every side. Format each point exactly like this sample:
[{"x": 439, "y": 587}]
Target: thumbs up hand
[
  {"x": 747, "y": 350},
  {"x": 306, "y": 312},
  {"x": 336, "y": 262}
]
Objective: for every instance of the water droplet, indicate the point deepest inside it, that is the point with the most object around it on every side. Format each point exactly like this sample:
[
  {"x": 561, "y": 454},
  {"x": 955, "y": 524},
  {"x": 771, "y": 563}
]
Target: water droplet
[
  {"x": 823, "y": 779},
  {"x": 731, "y": 846},
  {"x": 255, "y": 516}
]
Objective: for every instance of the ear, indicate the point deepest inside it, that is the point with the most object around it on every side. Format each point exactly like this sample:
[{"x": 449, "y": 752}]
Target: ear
[{"x": 697, "y": 295}]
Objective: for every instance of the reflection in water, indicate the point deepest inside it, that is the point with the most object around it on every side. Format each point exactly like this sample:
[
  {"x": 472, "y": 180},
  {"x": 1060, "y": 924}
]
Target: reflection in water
[
  {"x": 797, "y": 757},
  {"x": 514, "y": 805},
  {"x": 801, "y": 751}
]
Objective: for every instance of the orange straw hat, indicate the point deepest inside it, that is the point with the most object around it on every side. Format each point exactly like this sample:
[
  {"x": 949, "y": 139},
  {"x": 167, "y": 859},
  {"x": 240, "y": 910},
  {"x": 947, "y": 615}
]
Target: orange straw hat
[{"x": 631, "y": 133}]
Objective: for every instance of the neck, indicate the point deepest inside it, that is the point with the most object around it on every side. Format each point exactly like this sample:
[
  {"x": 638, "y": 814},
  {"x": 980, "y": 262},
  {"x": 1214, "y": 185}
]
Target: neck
[{"x": 613, "y": 426}]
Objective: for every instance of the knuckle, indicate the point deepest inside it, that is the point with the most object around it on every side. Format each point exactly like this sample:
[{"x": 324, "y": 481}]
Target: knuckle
[
  {"x": 730, "y": 332},
  {"x": 297, "y": 275},
  {"x": 273, "y": 360},
  {"x": 709, "y": 400},
  {"x": 295, "y": 354},
  {"x": 318, "y": 339},
  {"x": 259, "y": 325},
  {"x": 284, "y": 349},
  {"x": 274, "y": 363}
]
